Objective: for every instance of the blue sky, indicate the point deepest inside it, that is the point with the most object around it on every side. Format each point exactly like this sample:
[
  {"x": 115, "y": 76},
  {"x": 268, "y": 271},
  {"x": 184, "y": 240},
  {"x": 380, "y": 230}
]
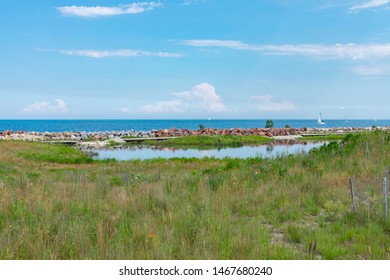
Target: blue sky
[{"x": 188, "y": 59}]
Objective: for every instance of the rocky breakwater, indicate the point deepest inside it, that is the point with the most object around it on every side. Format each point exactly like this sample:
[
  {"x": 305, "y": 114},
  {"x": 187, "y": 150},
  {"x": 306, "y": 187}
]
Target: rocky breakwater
[
  {"x": 268, "y": 132},
  {"x": 71, "y": 136},
  {"x": 21, "y": 136},
  {"x": 103, "y": 138},
  {"x": 344, "y": 130}
]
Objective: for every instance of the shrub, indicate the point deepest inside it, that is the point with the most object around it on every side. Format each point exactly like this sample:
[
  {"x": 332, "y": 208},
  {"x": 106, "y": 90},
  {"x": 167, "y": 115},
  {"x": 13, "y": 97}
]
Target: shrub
[{"x": 269, "y": 124}]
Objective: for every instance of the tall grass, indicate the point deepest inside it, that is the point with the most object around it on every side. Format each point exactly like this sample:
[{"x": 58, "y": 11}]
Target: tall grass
[{"x": 58, "y": 204}]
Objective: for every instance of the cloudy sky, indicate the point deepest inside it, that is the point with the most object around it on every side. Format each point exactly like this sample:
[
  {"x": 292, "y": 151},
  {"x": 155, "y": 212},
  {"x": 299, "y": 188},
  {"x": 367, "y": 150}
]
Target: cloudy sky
[{"x": 185, "y": 59}]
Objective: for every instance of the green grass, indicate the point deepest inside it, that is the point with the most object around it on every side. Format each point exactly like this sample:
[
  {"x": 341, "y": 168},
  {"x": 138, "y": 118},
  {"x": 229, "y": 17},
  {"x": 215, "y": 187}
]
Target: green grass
[
  {"x": 331, "y": 137},
  {"x": 57, "y": 203},
  {"x": 210, "y": 141},
  {"x": 56, "y": 153}
]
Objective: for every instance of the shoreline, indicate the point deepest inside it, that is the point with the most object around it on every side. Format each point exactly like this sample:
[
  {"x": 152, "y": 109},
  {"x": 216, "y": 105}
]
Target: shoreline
[{"x": 116, "y": 136}]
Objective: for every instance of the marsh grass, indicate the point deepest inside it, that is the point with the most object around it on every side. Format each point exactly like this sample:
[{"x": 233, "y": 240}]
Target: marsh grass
[
  {"x": 327, "y": 137},
  {"x": 216, "y": 141},
  {"x": 57, "y": 203}
]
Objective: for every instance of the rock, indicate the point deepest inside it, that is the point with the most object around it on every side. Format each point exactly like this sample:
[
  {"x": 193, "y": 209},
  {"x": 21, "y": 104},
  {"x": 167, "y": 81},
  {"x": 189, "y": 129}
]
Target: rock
[
  {"x": 76, "y": 138},
  {"x": 118, "y": 140}
]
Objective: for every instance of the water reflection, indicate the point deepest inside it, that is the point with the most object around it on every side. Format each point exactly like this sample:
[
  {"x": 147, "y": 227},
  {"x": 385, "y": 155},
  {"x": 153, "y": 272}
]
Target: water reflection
[
  {"x": 150, "y": 152},
  {"x": 270, "y": 148}
]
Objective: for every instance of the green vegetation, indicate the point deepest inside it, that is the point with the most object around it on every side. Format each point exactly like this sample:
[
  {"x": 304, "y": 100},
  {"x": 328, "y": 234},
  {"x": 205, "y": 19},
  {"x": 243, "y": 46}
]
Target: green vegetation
[
  {"x": 328, "y": 137},
  {"x": 204, "y": 141},
  {"x": 269, "y": 124},
  {"x": 58, "y": 204},
  {"x": 55, "y": 153}
]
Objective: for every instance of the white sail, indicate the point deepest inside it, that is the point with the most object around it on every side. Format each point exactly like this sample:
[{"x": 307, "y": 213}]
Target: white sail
[{"x": 319, "y": 121}]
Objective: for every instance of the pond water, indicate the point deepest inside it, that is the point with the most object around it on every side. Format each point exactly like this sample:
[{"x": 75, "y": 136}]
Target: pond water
[{"x": 149, "y": 152}]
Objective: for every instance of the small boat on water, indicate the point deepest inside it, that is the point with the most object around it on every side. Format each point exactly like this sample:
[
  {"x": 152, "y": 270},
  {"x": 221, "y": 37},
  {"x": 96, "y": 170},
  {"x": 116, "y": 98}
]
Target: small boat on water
[{"x": 320, "y": 121}]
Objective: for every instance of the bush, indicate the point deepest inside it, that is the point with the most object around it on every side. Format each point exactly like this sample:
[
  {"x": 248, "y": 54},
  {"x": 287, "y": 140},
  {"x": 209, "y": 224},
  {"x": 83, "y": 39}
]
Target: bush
[{"x": 269, "y": 124}]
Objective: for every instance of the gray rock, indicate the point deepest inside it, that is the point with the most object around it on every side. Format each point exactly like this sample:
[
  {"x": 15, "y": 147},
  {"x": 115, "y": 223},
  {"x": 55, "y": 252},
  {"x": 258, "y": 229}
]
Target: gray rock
[{"x": 118, "y": 140}]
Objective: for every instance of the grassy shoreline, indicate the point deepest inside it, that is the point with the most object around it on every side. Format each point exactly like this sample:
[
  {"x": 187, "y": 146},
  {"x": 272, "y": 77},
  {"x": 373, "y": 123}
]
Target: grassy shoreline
[
  {"x": 210, "y": 141},
  {"x": 59, "y": 204}
]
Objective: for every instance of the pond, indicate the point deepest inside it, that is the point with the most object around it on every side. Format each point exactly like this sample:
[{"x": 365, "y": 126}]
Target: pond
[{"x": 152, "y": 152}]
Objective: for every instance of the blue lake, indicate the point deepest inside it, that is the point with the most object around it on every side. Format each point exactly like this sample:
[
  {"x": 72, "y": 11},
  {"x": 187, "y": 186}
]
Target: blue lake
[
  {"x": 147, "y": 125},
  {"x": 264, "y": 151}
]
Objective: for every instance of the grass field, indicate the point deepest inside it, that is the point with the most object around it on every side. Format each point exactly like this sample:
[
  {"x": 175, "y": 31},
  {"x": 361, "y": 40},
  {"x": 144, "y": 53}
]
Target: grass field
[{"x": 56, "y": 203}]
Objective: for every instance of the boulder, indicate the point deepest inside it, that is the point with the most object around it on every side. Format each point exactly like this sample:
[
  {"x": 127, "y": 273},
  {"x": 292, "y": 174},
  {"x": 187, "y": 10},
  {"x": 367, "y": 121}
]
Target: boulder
[{"x": 118, "y": 140}]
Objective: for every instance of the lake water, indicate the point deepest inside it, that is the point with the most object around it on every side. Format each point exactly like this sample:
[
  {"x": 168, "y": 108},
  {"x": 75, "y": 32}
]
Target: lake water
[
  {"x": 148, "y": 125},
  {"x": 264, "y": 151}
]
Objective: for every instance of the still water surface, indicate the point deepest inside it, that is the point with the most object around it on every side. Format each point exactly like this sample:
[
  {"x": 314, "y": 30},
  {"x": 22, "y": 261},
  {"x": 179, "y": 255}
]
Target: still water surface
[{"x": 264, "y": 151}]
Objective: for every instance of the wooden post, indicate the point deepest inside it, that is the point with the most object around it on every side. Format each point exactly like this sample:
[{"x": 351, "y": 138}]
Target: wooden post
[
  {"x": 385, "y": 197},
  {"x": 352, "y": 194}
]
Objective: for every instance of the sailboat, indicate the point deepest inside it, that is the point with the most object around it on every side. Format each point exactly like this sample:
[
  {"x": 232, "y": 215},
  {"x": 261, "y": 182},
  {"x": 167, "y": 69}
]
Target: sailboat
[{"x": 319, "y": 121}]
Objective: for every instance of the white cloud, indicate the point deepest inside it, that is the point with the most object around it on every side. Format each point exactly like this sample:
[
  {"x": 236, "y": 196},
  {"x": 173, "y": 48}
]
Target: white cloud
[
  {"x": 336, "y": 51},
  {"x": 61, "y": 106},
  {"x": 369, "y": 4},
  {"x": 190, "y": 2},
  {"x": 118, "y": 53},
  {"x": 266, "y": 104},
  {"x": 99, "y": 11},
  {"x": 373, "y": 70},
  {"x": 173, "y": 106},
  {"x": 44, "y": 107},
  {"x": 203, "y": 96},
  {"x": 125, "y": 110}
]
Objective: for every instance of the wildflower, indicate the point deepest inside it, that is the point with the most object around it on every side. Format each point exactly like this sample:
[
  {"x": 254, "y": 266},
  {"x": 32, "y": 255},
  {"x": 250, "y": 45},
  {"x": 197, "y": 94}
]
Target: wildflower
[{"x": 151, "y": 235}]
